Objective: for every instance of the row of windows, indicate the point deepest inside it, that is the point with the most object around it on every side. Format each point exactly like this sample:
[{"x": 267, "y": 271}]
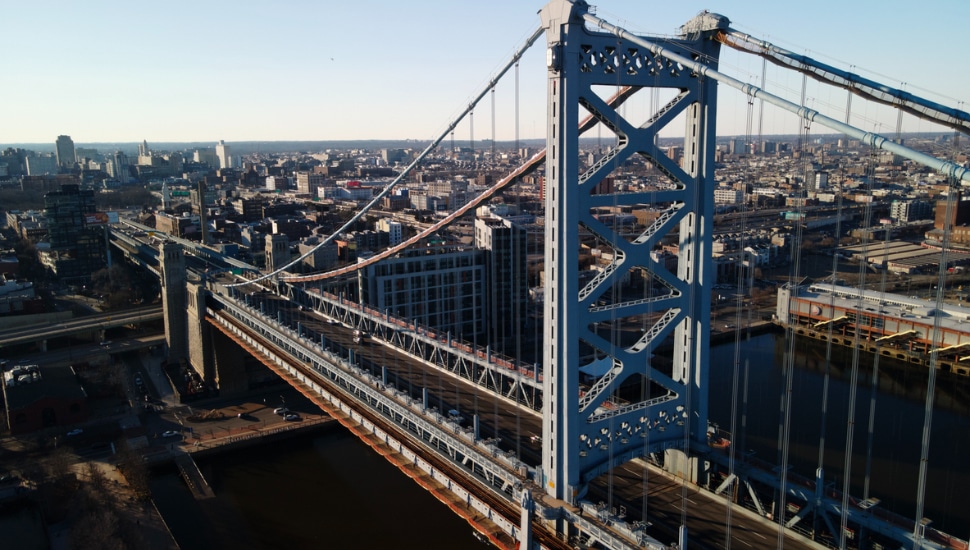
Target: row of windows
[{"x": 428, "y": 265}]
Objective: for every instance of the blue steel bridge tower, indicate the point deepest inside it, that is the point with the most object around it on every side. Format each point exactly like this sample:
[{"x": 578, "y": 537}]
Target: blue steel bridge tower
[{"x": 587, "y": 433}]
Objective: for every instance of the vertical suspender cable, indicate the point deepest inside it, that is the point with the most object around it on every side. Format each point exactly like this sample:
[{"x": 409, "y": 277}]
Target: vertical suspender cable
[
  {"x": 860, "y": 325},
  {"x": 874, "y": 380},
  {"x": 936, "y": 342},
  {"x": 823, "y": 421},
  {"x": 493, "y": 124},
  {"x": 516, "y": 107},
  {"x": 784, "y": 424},
  {"x": 732, "y": 450}
]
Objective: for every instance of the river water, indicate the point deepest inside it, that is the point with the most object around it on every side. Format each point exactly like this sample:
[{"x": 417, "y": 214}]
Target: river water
[
  {"x": 897, "y": 433},
  {"x": 329, "y": 490}
]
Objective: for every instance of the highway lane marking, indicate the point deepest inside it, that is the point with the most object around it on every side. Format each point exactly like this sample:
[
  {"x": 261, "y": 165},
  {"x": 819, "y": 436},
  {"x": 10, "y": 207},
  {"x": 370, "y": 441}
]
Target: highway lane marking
[
  {"x": 743, "y": 542},
  {"x": 759, "y": 534}
]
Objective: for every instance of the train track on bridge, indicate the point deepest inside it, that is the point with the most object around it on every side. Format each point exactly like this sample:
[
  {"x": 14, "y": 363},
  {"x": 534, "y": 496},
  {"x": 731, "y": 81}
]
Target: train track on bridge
[{"x": 541, "y": 533}]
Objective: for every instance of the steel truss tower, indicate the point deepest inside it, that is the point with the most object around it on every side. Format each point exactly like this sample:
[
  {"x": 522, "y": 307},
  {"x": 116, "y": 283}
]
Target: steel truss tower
[{"x": 628, "y": 405}]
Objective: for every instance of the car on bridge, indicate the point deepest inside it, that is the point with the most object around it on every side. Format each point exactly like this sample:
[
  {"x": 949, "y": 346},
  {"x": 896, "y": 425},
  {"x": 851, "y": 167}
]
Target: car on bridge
[
  {"x": 170, "y": 433},
  {"x": 292, "y": 417}
]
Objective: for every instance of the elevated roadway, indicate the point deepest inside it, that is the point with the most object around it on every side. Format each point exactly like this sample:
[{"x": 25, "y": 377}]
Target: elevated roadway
[{"x": 92, "y": 323}]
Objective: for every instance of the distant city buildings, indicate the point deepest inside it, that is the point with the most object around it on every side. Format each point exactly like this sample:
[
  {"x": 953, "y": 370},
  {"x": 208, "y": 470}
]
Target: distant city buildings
[
  {"x": 911, "y": 210},
  {"x": 208, "y": 157},
  {"x": 66, "y": 156},
  {"x": 394, "y": 230},
  {"x": 41, "y": 164},
  {"x": 224, "y": 155},
  {"x": 309, "y": 182},
  {"x": 118, "y": 167}
]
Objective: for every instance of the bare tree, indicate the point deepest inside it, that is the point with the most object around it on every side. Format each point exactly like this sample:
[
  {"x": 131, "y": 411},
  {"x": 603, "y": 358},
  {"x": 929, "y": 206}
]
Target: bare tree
[{"x": 58, "y": 463}]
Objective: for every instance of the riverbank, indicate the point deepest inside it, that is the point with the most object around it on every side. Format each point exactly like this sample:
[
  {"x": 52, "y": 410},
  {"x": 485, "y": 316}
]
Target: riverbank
[{"x": 951, "y": 364}]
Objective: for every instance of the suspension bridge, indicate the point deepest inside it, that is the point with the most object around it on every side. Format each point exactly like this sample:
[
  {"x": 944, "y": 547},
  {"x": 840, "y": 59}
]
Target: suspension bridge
[{"x": 550, "y": 452}]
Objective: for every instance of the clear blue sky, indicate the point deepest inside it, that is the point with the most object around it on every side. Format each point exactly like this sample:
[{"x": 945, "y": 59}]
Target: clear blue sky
[{"x": 204, "y": 70}]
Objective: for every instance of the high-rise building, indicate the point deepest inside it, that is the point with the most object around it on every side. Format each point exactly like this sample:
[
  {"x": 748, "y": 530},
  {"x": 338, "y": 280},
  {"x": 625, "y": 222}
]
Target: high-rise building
[
  {"x": 66, "y": 156},
  {"x": 207, "y": 156},
  {"x": 506, "y": 278},
  {"x": 274, "y": 183},
  {"x": 175, "y": 161},
  {"x": 88, "y": 153},
  {"x": 821, "y": 181},
  {"x": 309, "y": 182},
  {"x": 394, "y": 230},
  {"x": 118, "y": 167},
  {"x": 224, "y": 154},
  {"x": 907, "y": 211},
  {"x": 143, "y": 150},
  {"x": 438, "y": 286},
  {"x": 77, "y": 245},
  {"x": 41, "y": 164}
]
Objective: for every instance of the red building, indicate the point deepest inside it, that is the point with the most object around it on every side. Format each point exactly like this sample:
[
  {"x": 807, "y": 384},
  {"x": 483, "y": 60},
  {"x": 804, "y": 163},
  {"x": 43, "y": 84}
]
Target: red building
[{"x": 42, "y": 397}]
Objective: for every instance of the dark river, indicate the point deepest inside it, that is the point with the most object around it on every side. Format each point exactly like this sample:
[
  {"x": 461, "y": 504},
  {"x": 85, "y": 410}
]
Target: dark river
[
  {"x": 897, "y": 433},
  {"x": 323, "y": 491},
  {"x": 331, "y": 491}
]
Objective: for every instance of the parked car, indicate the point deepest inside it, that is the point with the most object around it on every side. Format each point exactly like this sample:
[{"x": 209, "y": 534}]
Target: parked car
[
  {"x": 74, "y": 432},
  {"x": 281, "y": 411},
  {"x": 170, "y": 433},
  {"x": 292, "y": 417}
]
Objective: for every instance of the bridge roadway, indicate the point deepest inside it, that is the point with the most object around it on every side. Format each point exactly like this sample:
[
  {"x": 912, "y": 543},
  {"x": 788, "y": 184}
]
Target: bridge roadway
[
  {"x": 502, "y": 506},
  {"x": 80, "y": 325},
  {"x": 705, "y": 514}
]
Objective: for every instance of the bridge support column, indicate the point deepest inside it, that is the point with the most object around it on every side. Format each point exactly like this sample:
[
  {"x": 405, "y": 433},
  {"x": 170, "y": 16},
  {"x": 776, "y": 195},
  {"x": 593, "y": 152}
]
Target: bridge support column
[
  {"x": 172, "y": 274},
  {"x": 424, "y": 399},
  {"x": 525, "y": 519},
  {"x": 43, "y": 346},
  {"x": 200, "y": 348}
]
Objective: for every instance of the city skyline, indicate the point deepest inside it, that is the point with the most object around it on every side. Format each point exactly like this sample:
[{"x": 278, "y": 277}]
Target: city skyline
[{"x": 308, "y": 72}]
